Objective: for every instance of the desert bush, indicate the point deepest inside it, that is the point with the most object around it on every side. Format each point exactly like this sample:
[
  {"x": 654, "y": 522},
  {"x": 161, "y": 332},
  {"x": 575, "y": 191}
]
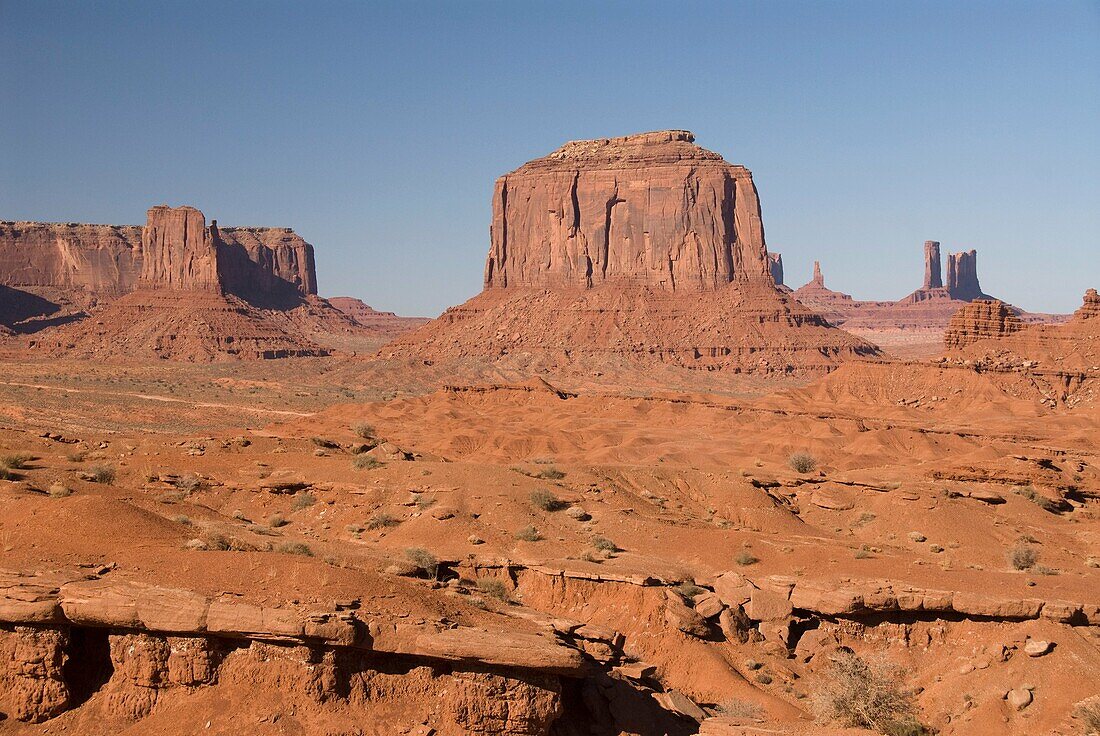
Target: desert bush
[
  {"x": 77, "y": 456},
  {"x": 1089, "y": 715},
  {"x": 102, "y": 474},
  {"x": 528, "y": 534},
  {"x": 550, "y": 474},
  {"x": 745, "y": 558},
  {"x": 216, "y": 542},
  {"x": 740, "y": 709},
  {"x": 802, "y": 462},
  {"x": 365, "y": 462},
  {"x": 188, "y": 483},
  {"x": 494, "y": 588},
  {"x": 424, "y": 501},
  {"x": 689, "y": 590},
  {"x": 295, "y": 548},
  {"x": 763, "y": 678},
  {"x": 364, "y": 431},
  {"x": 276, "y": 520},
  {"x": 303, "y": 500},
  {"x": 59, "y": 490},
  {"x": 547, "y": 501},
  {"x": 182, "y": 519},
  {"x": 424, "y": 560},
  {"x": 1036, "y": 498},
  {"x": 1022, "y": 556},
  {"x": 604, "y": 544},
  {"x": 6, "y": 474},
  {"x": 866, "y": 694},
  {"x": 18, "y": 461},
  {"x": 382, "y": 520}
]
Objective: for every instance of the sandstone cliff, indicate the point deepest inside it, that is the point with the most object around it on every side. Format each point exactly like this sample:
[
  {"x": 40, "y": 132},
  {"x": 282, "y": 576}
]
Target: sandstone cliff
[
  {"x": 652, "y": 209},
  {"x": 645, "y": 248},
  {"x": 980, "y": 319}
]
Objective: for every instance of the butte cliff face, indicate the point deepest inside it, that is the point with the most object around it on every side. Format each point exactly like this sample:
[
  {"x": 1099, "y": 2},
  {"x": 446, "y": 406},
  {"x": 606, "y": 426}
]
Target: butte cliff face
[
  {"x": 643, "y": 248},
  {"x": 978, "y": 320},
  {"x": 647, "y": 210},
  {"x": 175, "y": 288}
]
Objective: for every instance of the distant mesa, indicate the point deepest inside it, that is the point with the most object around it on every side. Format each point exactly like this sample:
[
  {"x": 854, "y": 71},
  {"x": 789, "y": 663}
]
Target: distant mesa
[
  {"x": 644, "y": 247},
  {"x": 387, "y": 323},
  {"x": 174, "y": 288}
]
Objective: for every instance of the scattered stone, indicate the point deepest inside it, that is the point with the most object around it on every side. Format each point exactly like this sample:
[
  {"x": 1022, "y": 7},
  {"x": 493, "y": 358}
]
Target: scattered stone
[
  {"x": 1037, "y": 647},
  {"x": 1019, "y": 698}
]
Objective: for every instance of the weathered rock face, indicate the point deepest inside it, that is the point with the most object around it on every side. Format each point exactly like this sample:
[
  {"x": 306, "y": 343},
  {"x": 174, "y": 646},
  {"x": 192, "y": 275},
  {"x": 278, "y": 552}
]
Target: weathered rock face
[
  {"x": 933, "y": 271},
  {"x": 775, "y": 264},
  {"x": 1090, "y": 308},
  {"x": 387, "y": 323},
  {"x": 652, "y": 209},
  {"x": 980, "y": 319},
  {"x": 174, "y": 250},
  {"x": 647, "y": 248},
  {"x": 178, "y": 251},
  {"x": 962, "y": 276},
  {"x": 96, "y": 258}
]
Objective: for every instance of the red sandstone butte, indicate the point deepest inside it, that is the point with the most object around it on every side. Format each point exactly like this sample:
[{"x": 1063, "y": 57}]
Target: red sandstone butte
[{"x": 646, "y": 247}]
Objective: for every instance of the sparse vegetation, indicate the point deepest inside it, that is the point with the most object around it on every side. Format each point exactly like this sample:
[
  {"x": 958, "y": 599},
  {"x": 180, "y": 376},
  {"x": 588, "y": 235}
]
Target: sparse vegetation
[
  {"x": 59, "y": 490},
  {"x": 735, "y": 708},
  {"x": 102, "y": 474},
  {"x": 1089, "y": 715},
  {"x": 365, "y": 462},
  {"x": 6, "y": 474},
  {"x": 424, "y": 560},
  {"x": 867, "y": 694},
  {"x": 276, "y": 520},
  {"x": 18, "y": 461},
  {"x": 604, "y": 544},
  {"x": 382, "y": 520},
  {"x": 77, "y": 456},
  {"x": 550, "y": 474},
  {"x": 863, "y": 553},
  {"x": 494, "y": 588},
  {"x": 303, "y": 501},
  {"x": 295, "y": 548},
  {"x": 547, "y": 501},
  {"x": 424, "y": 502},
  {"x": 188, "y": 483},
  {"x": 1023, "y": 556},
  {"x": 763, "y": 678},
  {"x": 745, "y": 558},
  {"x": 802, "y": 462},
  {"x": 182, "y": 519},
  {"x": 689, "y": 590},
  {"x": 528, "y": 534},
  {"x": 364, "y": 431},
  {"x": 1036, "y": 498}
]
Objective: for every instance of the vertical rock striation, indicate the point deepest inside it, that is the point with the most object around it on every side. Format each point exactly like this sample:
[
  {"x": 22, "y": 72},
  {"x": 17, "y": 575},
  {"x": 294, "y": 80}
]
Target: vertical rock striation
[
  {"x": 933, "y": 271},
  {"x": 962, "y": 276}
]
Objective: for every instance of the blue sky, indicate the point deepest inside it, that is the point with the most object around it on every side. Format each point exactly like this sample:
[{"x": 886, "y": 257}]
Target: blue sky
[{"x": 376, "y": 129}]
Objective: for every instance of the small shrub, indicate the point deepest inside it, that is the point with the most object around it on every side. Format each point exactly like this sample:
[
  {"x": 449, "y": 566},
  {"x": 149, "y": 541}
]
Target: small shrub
[
  {"x": 77, "y": 456},
  {"x": 424, "y": 561},
  {"x": 494, "y": 588},
  {"x": 102, "y": 474},
  {"x": 365, "y": 462},
  {"x": 59, "y": 490},
  {"x": 217, "y": 542},
  {"x": 1022, "y": 556},
  {"x": 1037, "y": 498},
  {"x": 18, "y": 461},
  {"x": 528, "y": 534},
  {"x": 181, "y": 519},
  {"x": 424, "y": 502},
  {"x": 763, "y": 678},
  {"x": 1044, "y": 570},
  {"x": 861, "y": 694},
  {"x": 550, "y": 474},
  {"x": 863, "y": 553},
  {"x": 1089, "y": 715},
  {"x": 6, "y": 474},
  {"x": 802, "y": 462},
  {"x": 188, "y": 483},
  {"x": 275, "y": 521},
  {"x": 689, "y": 590},
  {"x": 303, "y": 501},
  {"x": 604, "y": 544},
  {"x": 364, "y": 431},
  {"x": 745, "y": 558},
  {"x": 382, "y": 520},
  {"x": 547, "y": 501},
  {"x": 740, "y": 709},
  {"x": 355, "y": 528},
  {"x": 295, "y": 548}
]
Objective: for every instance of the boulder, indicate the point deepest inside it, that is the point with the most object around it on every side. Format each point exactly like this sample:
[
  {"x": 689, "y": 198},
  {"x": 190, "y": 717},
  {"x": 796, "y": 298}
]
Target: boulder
[{"x": 766, "y": 605}]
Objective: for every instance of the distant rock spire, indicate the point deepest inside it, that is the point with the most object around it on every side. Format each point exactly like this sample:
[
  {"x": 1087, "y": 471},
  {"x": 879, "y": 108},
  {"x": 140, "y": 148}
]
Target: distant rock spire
[
  {"x": 818, "y": 278},
  {"x": 933, "y": 271}
]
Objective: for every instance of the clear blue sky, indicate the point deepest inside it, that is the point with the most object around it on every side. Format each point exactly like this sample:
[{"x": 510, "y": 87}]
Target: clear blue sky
[{"x": 377, "y": 129}]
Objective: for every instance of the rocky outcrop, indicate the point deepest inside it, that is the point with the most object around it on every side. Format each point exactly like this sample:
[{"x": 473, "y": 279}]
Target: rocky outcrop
[
  {"x": 652, "y": 209},
  {"x": 933, "y": 271},
  {"x": 386, "y": 323},
  {"x": 980, "y": 319},
  {"x": 645, "y": 248},
  {"x": 962, "y": 276},
  {"x": 775, "y": 265},
  {"x": 174, "y": 250}
]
